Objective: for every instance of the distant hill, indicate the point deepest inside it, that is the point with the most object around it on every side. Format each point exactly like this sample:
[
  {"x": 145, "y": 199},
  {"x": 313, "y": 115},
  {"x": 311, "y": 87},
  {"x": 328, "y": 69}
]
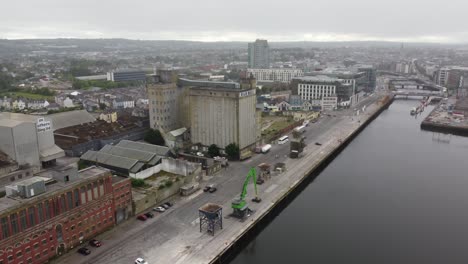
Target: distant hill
[{"x": 10, "y": 47}]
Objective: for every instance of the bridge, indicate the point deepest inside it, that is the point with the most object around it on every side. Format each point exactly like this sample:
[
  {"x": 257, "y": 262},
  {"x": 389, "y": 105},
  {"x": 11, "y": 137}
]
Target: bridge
[{"x": 420, "y": 93}]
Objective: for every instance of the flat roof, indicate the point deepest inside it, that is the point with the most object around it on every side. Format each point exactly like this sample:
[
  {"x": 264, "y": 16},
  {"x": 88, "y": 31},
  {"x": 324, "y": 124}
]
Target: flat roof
[
  {"x": 10, "y": 123},
  {"x": 7, "y": 203}
]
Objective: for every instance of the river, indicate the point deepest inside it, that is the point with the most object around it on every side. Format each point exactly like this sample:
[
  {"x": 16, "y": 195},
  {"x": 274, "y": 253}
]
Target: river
[{"x": 395, "y": 194}]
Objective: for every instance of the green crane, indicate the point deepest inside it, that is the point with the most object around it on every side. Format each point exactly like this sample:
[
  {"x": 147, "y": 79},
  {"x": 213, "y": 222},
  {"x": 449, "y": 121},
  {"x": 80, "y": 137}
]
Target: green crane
[{"x": 239, "y": 206}]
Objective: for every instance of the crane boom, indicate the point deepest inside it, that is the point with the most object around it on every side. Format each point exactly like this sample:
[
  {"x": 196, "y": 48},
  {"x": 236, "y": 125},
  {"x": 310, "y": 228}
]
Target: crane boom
[{"x": 252, "y": 175}]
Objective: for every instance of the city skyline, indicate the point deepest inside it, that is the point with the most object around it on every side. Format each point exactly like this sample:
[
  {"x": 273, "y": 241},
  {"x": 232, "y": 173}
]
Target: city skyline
[{"x": 299, "y": 20}]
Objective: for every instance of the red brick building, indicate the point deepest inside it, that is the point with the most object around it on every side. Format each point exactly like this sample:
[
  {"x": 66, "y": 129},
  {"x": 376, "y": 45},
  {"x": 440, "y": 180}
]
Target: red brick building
[{"x": 72, "y": 210}]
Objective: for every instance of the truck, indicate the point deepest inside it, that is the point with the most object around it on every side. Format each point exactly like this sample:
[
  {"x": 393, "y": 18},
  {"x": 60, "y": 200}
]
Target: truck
[{"x": 266, "y": 148}]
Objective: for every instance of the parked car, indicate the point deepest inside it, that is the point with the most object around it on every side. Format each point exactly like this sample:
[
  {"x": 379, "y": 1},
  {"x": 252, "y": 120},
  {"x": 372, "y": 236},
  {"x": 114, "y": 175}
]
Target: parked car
[
  {"x": 165, "y": 206},
  {"x": 159, "y": 209},
  {"x": 140, "y": 261},
  {"x": 210, "y": 188},
  {"x": 149, "y": 215},
  {"x": 318, "y": 144},
  {"x": 84, "y": 251},
  {"x": 94, "y": 243},
  {"x": 169, "y": 204},
  {"x": 142, "y": 217},
  {"x": 260, "y": 181}
]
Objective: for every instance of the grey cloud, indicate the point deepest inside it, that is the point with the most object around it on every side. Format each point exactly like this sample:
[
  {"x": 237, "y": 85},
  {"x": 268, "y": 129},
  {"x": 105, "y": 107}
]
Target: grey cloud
[{"x": 224, "y": 20}]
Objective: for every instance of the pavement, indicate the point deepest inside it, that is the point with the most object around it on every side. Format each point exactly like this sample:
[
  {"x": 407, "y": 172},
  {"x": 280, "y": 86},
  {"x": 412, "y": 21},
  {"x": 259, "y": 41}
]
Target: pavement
[{"x": 174, "y": 236}]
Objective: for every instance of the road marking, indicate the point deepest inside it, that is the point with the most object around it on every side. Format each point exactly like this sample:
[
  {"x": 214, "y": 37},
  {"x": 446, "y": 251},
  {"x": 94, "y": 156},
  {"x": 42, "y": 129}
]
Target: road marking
[{"x": 271, "y": 188}]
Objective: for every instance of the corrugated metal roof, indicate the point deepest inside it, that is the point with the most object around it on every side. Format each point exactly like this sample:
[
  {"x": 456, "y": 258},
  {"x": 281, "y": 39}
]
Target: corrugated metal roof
[
  {"x": 71, "y": 118},
  {"x": 158, "y": 150},
  {"x": 110, "y": 160},
  {"x": 128, "y": 153}
]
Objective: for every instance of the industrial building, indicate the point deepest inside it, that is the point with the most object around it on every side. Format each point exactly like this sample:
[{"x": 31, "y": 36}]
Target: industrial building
[
  {"x": 126, "y": 75},
  {"x": 127, "y": 158},
  {"x": 223, "y": 116},
  {"x": 45, "y": 216},
  {"x": 28, "y": 140},
  {"x": 259, "y": 54},
  {"x": 78, "y": 139}
]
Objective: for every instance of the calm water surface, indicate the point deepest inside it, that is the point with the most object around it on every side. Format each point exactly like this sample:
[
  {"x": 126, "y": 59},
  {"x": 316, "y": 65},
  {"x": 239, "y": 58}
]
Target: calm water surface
[{"x": 396, "y": 194}]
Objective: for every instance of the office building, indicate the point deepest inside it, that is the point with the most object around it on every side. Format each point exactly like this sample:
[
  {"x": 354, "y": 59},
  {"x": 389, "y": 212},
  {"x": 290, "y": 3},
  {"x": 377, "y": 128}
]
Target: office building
[
  {"x": 45, "y": 216},
  {"x": 284, "y": 75},
  {"x": 259, "y": 54},
  {"x": 370, "y": 77},
  {"x": 126, "y": 75},
  {"x": 314, "y": 88}
]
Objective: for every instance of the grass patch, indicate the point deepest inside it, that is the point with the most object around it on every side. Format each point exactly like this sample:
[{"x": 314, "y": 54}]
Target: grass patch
[{"x": 32, "y": 96}]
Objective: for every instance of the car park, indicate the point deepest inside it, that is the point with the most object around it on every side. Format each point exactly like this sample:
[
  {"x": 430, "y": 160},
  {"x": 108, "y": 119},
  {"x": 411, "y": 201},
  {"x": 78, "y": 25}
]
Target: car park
[
  {"x": 142, "y": 217},
  {"x": 149, "y": 215},
  {"x": 84, "y": 251},
  {"x": 94, "y": 243}
]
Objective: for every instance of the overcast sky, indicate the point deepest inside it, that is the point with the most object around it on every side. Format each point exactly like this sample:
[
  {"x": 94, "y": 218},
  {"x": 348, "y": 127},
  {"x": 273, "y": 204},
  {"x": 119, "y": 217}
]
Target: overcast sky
[{"x": 238, "y": 20}]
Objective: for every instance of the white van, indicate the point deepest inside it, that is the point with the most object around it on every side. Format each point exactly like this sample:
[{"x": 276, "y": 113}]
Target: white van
[{"x": 283, "y": 140}]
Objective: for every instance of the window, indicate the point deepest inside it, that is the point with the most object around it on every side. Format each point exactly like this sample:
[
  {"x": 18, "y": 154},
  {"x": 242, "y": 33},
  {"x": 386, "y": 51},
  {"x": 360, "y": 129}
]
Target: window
[
  {"x": 23, "y": 221},
  {"x": 83, "y": 195},
  {"x": 76, "y": 197},
  {"x": 45, "y": 252},
  {"x": 69, "y": 200},
  {"x": 27, "y": 250},
  {"x": 12, "y": 178},
  {"x": 14, "y": 223},
  {"x": 10, "y": 258},
  {"x": 32, "y": 216},
  {"x": 19, "y": 254},
  {"x": 36, "y": 245},
  {"x": 38, "y": 256},
  {"x": 44, "y": 241},
  {"x": 63, "y": 207},
  {"x": 29, "y": 260},
  {"x": 47, "y": 210},
  {"x": 95, "y": 190},
  {"x": 90, "y": 194},
  {"x": 40, "y": 210},
  {"x": 101, "y": 187}
]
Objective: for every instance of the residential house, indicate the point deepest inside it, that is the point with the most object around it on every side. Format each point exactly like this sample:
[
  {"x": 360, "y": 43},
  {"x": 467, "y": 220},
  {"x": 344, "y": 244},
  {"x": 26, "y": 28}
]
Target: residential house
[
  {"x": 53, "y": 107},
  {"x": 6, "y": 103},
  {"x": 18, "y": 104},
  {"x": 109, "y": 116},
  {"x": 283, "y": 106},
  {"x": 37, "y": 104},
  {"x": 90, "y": 105},
  {"x": 123, "y": 103}
]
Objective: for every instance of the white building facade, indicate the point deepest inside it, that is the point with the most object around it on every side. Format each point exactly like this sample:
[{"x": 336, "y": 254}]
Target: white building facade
[{"x": 275, "y": 75}]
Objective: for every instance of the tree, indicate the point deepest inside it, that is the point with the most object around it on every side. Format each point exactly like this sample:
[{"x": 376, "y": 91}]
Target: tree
[
  {"x": 153, "y": 136},
  {"x": 213, "y": 150},
  {"x": 232, "y": 150},
  {"x": 102, "y": 106}
]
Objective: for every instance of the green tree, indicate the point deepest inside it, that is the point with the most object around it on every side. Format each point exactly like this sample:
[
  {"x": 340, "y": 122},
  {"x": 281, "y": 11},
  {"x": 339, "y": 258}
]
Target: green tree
[
  {"x": 213, "y": 150},
  {"x": 138, "y": 182},
  {"x": 102, "y": 106},
  {"x": 232, "y": 150},
  {"x": 153, "y": 136}
]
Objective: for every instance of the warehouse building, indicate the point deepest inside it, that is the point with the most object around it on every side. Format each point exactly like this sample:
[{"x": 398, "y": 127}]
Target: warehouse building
[
  {"x": 28, "y": 140},
  {"x": 45, "y": 216}
]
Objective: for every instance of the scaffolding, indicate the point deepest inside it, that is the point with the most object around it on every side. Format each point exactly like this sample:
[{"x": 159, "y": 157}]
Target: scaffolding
[{"x": 211, "y": 217}]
